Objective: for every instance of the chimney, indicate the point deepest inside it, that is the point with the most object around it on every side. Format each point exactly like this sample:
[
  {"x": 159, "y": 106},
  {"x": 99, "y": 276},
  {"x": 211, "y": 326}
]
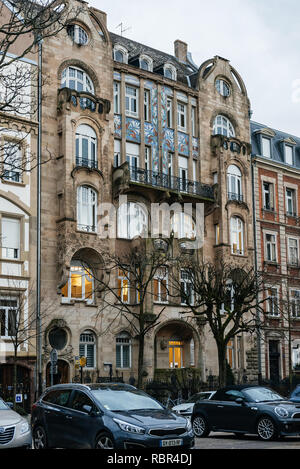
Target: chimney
[{"x": 181, "y": 50}]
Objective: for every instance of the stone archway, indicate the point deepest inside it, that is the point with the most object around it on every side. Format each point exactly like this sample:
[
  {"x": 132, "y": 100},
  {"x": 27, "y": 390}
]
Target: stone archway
[{"x": 176, "y": 346}]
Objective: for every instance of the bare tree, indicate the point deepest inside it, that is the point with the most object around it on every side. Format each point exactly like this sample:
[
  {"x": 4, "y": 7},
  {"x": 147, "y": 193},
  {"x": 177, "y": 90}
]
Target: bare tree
[
  {"x": 222, "y": 296},
  {"x": 128, "y": 291},
  {"x": 18, "y": 323},
  {"x": 24, "y": 25}
]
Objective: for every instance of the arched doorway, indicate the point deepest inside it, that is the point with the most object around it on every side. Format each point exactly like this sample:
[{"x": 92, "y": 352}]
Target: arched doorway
[
  {"x": 175, "y": 346},
  {"x": 63, "y": 373}
]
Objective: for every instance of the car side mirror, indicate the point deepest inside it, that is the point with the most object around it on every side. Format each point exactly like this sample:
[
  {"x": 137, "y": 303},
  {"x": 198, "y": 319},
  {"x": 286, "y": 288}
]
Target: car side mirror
[
  {"x": 87, "y": 408},
  {"x": 239, "y": 400}
]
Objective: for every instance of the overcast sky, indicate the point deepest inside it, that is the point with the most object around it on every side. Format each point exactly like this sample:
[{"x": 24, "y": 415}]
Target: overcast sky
[{"x": 261, "y": 38}]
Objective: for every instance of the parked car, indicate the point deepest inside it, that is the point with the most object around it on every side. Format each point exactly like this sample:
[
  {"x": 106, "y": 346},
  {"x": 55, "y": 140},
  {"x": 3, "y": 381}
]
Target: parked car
[
  {"x": 186, "y": 408},
  {"x": 15, "y": 430},
  {"x": 295, "y": 395},
  {"x": 105, "y": 416},
  {"x": 247, "y": 410}
]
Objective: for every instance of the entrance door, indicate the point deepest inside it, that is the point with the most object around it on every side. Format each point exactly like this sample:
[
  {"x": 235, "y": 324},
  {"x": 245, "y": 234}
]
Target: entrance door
[
  {"x": 176, "y": 354},
  {"x": 63, "y": 375},
  {"x": 274, "y": 356}
]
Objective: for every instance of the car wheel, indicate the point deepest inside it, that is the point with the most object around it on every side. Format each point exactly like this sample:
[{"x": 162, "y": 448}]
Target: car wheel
[
  {"x": 200, "y": 427},
  {"x": 39, "y": 438},
  {"x": 104, "y": 441},
  {"x": 266, "y": 429}
]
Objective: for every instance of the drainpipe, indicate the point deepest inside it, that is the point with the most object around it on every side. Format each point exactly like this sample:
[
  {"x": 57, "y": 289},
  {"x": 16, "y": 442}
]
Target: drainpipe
[
  {"x": 253, "y": 164},
  {"x": 38, "y": 228}
]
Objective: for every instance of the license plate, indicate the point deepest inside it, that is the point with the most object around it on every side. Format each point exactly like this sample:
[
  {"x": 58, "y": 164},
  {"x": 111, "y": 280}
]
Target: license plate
[{"x": 165, "y": 443}]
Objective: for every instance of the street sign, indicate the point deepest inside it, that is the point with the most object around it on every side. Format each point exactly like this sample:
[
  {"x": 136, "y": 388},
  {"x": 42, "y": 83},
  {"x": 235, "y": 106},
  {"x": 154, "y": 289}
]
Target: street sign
[
  {"x": 53, "y": 356},
  {"x": 19, "y": 398},
  {"x": 82, "y": 361},
  {"x": 53, "y": 369}
]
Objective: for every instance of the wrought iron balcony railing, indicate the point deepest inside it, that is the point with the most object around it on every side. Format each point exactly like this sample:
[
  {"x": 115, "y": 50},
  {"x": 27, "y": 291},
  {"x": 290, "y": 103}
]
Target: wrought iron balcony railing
[
  {"x": 234, "y": 196},
  {"x": 87, "y": 163},
  {"x": 165, "y": 181}
]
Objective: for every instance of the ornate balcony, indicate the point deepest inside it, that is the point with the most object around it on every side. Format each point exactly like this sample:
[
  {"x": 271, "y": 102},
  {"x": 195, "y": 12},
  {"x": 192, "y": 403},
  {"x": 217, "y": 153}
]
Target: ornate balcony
[{"x": 83, "y": 100}]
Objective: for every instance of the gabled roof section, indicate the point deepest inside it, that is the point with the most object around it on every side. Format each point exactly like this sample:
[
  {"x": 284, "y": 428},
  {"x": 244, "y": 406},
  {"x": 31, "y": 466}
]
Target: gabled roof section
[{"x": 135, "y": 49}]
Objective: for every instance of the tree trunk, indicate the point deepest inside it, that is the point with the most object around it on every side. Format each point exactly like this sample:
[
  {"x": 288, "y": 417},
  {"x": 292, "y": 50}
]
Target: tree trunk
[
  {"x": 222, "y": 365},
  {"x": 141, "y": 361},
  {"x": 15, "y": 381}
]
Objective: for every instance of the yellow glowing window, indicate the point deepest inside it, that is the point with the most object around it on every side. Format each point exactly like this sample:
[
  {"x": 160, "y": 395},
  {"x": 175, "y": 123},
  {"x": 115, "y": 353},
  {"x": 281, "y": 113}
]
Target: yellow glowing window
[
  {"x": 175, "y": 354},
  {"x": 123, "y": 286},
  {"x": 80, "y": 285}
]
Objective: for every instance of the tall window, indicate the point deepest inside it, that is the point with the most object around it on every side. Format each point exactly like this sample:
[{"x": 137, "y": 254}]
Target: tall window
[
  {"x": 12, "y": 161},
  {"x": 80, "y": 285},
  {"x": 123, "y": 350},
  {"x": 290, "y": 197},
  {"x": 10, "y": 238},
  {"x": 237, "y": 236},
  {"x": 160, "y": 286},
  {"x": 271, "y": 249},
  {"x": 170, "y": 113},
  {"x": 234, "y": 181},
  {"x": 8, "y": 316},
  {"x": 117, "y": 153},
  {"x": 183, "y": 173},
  {"x": 133, "y": 159},
  {"x": 132, "y": 101},
  {"x": 231, "y": 354},
  {"x": 147, "y": 114},
  {"x": 295, "y": 303},
  {"x": 76, "y": 79},
  {"x": 176, "y": 353},
  {"x": 273, "y": 306},
  {"x": 268, "y": 196},
  {"x": 181, "y": 116},
  {"x": 293, "y": 254},
  {"x": 117, "y": 107},
  {"x": 187, "y": 292},
  {"x": 183, "y": 226},
  {"x": 266, "y": 147},
  {"x": 132, "y": 220},
  {"x": 123, "y": 286},
  {"x": 289, "y": 155},
  {"x": 86, "y": 209},
  {"x": 194, "y": 121},
  {"x": 223, "y": 126},
  {"x": 87, "y": 348},
  {"x": 86, "y": 146}
]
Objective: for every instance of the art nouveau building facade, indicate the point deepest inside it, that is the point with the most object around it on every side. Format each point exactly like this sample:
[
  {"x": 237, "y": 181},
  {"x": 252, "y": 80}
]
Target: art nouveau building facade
[{"x": 125, "y": 119}]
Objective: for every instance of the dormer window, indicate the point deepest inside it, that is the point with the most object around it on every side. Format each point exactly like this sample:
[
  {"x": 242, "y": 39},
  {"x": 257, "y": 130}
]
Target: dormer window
[
  {"x": 289, "y": 155},
  {"x": 170, "y": 72},
  {"x": 120, "y": 54},
  {"x": 77, "y": 34},
  {"x": 266, "y": 147},
  {"x": 146, "y": 63}
]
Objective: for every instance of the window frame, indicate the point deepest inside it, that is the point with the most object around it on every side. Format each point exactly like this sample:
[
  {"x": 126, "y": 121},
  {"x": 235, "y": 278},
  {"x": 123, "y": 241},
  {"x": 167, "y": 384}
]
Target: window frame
[
  {"x": 131, "y": 101},
  {"x": 159, "y": 281},
  {"x": 273, "y": 249},
  {"x": 182, "y": 116},
  {"x": 92, "y": 146},
  {"x": 17, "y": 250},
  {"x": 121, "y": 345},
  {"x": 6, "y": 310},
  {"x": 86, "y": 81},
  {"x": 77, "y": 33},
  {"x": 291, "y": 199},
  {"x": 227, "y": 130},
  {"x": 117, "y": 97},
  {"x": 240, "y": 235},
  {"x": 82, "y": 271},
  {"x": 89, "y": 208},
  {"x": 296, "y": 248},
  {"x": 85, "y": 345}
]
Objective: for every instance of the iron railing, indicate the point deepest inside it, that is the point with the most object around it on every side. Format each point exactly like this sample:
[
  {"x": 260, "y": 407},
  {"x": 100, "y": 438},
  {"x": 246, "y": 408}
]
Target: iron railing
[
  {"x": 165, "y": 181},
  {"x": 87, "y": 163},
  {"x": 235, "y": 196}
]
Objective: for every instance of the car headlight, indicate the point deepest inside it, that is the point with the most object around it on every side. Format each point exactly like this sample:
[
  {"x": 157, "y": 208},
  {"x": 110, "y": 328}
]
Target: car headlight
[
  {"x": 281, "y": 412},
  {"x": 24, "y": 428},
  {"x": 128, "y": 427},
  {"x": 188, "y": 425}
]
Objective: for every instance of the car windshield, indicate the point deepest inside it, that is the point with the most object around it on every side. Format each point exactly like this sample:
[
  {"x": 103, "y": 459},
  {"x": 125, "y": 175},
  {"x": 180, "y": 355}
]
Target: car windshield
[
  {"x": 262, "y": 395},
  {"x": 198, "y": 397},
  {"x": 120, "y": 399},
  {"x": 3, "y": 406}
]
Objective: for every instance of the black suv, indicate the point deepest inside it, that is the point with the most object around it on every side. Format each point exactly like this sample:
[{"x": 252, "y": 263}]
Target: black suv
[{"x": 108, "y": 416}]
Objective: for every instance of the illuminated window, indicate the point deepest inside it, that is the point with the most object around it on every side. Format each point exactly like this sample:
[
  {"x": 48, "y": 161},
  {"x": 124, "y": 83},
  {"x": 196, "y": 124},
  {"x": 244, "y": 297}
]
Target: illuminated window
[
  {"x": 123, "y": 286},
  {"x": 80, "y": 285},
  {"x": 237, "y": 236},
  {"x": 176, "y": 353},
  {"x": 230, "y": 354}
]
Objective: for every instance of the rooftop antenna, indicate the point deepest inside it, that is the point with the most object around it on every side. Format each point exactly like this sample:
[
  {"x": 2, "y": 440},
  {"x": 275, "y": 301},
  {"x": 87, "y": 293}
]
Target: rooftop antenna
[{"x": 122, "y": 30}]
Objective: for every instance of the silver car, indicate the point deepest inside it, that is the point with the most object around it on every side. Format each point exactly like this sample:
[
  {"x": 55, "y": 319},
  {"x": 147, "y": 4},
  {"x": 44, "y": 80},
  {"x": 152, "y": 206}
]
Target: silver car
[
  {"x": 186, "y": 408},
  {"x": 15, "y": 430}
]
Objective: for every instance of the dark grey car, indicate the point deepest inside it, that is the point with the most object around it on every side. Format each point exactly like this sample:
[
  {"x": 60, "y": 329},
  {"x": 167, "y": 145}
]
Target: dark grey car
[{"x": 106, "y": 416}]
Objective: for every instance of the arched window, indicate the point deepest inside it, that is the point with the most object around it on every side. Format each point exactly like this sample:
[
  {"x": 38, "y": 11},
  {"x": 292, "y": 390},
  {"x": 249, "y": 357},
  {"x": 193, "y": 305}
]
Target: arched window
[
  {"x": 80, "y": 285},
  {"x": 234, "y": 181},
  {"x": 170, "y": 72},
  {"x": 77, "y": 34},
  {"x": 237, "y": 236},
  {"x": 146, "y": 63},
  {"x": 120, "y": 54},
  {"x": 86, "y": 147},
  {"x": 222, "y": 87},
  {"x": 76, "y": 79},
  {"x": 132, "y": 220},
  {"x": 87, "y": 348},
  {"x": 183, "y": 226},
  {"x": 86, "y": 209},
  {"x": 123, "y": 350},
  {"x": 223, "y": 126}
]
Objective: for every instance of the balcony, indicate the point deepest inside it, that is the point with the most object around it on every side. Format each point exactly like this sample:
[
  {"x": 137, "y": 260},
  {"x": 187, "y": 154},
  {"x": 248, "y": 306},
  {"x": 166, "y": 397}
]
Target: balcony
[
  {"x": 83, "y": 100},
  {"x": 236, "y": 197},
  {"x": 175, "y": 184},
  {"x": 87, "y": 163}
]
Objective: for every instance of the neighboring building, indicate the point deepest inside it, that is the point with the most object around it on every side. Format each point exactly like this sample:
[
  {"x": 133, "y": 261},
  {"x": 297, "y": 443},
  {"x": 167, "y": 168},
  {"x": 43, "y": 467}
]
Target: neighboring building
[
  {"x": 18, "y": 140},
  {"x": 125, "y": 119},
  {"x": 276, "y": 168}
]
